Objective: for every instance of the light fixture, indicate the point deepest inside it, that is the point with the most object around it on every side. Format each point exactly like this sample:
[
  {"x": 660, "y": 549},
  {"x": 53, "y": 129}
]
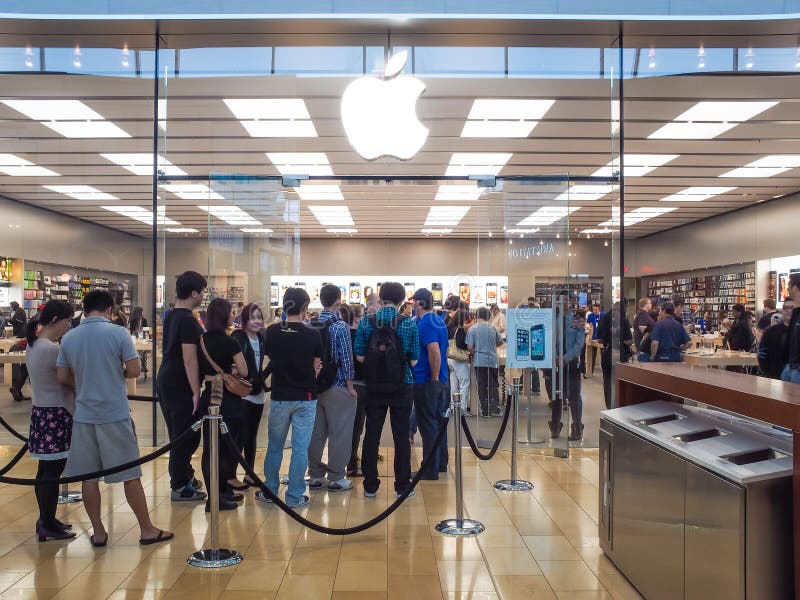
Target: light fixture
[
  {"x": 636, "y": 165},
  {"x": 76, "y": 57},
  {"x": 191, "y": 191},
  {"x": 335, "y": 216},
  {"x": 585, "y": 192},
  {"x": 342, "y": 230},
  {"x": 766, "y": 166},
  {"x": 15, "y": 166},
  {"x": 696, "y": 194},
  {"x": 597, "y": 231},
  {"x": 701, "y": 57},
  {"x": 301, "y": 163},
  {"x": 125, "y": 61},
  {"x": 70, "y": 118},
  {"x": 141, "y": 163},
  {"x": 748, "y": 64},
  {"x": 652, "y": 62},
  {"x": 29, "y": 56},
  {"x": 521, "y": 232},
  {"x": 446, "y": 215},
  {"x": 459, "y": 192},
  {"x": 232, "y": 215},
  {"x": 476, "y": 163},
  {"x": 605, "y": 243},
  {"x": 162, "y": 114},
  {"x": 636, "y": 216},
  {"x": 504, "y": 118},
  {"x": 797, "y": 59},
  {"x": 182, "y": 230},
  {"x": 435, "y": 230},
  {"x": 141, "y": 214},
  {"x": 256, "y": 230},
  {"x": 547, "y": 215},
  {"x": 273, "y": 117},
  {"x": 80, "y": 192},
  {"x": 708, "y": 119},
  {"x": 319, "y": 192}
]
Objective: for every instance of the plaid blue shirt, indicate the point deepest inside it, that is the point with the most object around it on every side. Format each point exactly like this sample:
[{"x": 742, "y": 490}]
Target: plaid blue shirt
[
  {"x": 407, "y": 332},
  {"x": 341, "y": 348}
]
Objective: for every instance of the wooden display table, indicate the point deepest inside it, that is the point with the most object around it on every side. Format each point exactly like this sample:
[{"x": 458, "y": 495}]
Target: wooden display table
[
  {"x": 767, "y": 400},
  {"x": 7, "y": 343},
  {"x": 7, "y": 360},
  {"x": 723, "y": 358},
  {"x": 716, "y": 340}
]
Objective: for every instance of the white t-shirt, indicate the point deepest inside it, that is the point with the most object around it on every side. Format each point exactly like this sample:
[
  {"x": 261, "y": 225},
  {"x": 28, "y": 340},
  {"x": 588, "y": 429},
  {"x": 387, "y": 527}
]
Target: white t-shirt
[{"x": 258, "y": 398}]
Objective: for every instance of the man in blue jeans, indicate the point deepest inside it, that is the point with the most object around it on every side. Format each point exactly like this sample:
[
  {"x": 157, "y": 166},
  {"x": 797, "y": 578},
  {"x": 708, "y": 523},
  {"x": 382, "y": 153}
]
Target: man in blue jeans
[
  {"x": 431, "y": 389},
  {"x": 791, "y": 371},
  {"x": 295, "y": 353}
]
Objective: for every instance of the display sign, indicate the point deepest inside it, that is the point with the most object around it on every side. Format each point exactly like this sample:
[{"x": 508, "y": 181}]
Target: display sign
[
  {"x": 5, "y": 269},
  {"x": 529, "y": 336}
]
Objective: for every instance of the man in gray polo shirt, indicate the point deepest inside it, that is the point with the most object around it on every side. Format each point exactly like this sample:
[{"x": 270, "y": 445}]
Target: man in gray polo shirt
[{"x": 96, "y": 358}]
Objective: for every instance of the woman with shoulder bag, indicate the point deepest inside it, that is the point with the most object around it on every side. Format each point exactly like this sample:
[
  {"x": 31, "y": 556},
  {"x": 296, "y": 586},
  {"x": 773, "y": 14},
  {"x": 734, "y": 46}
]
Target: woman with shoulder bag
[
  {"x": 458, "y": 356},
  {"x": 222, "y": 367},
  {"x": 251, "y": 342}
]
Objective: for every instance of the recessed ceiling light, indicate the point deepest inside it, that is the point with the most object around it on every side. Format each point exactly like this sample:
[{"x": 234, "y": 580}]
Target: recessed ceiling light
[
  {"x": 256, "y": 230},
  {"x": 141, "y": 214},
  {"x": 342, "y": 230},
  {"x": 690, "y": 131},
  {"x": 766, "y": 166},
  {"x": 636, "y": 165},
  {"x": 54, "y": 110},
  {"x": 498, "y": 129},
  {"x": 269, "y": 129},
  {"x": 516, "y": 230},
  {"x": 334, "y": 216},
  {"x": 80, "y": 192},
  {"x": 707, "y": 120},
  {"x": 696, "y": 194},
  {"x": 192, "y": 191},
  {"x": 232, "y": 215},
  {"x": 636, "y": 216},
  {"x": 141, "y": 163},
  {"x": 162, "y": 114},
  {"x": 509, "y": 109},
  {"x": 459, "y": 192},
  {"x": 301, "y": 163},
  {"x": 86, "y": 129},
  {"x": 547, "y": 215},
  {"x": 182, "y": 230},
  {"x": 585, "y": 192},
  {"x": 597, "y": 231},
  {"x": 246, "y": 109},
  {"x": 477, "y": 163},
  {"x": 319, "y": 192},
  {"x": 435, "y": 230},
  {"x": 14, "y": 166},
  {"x": 446, "y": 215}
]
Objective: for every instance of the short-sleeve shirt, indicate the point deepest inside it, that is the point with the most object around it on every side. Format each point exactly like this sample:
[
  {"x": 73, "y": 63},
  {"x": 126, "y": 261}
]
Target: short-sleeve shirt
[
  {"x": 431, "y": 328},
  {"x": 670, "y": 336},
  {"x": 41, "y": 359},
  {"x": 221, "y": 348},
  {"x": 765, "y": 321},
  {"x": 484, "y": 340},
  {"x": 594, "y": 319},
  {"x": 406, "y": 331},
  {"x": 95, "y": 352},
  {"x": 180, "y": 328},
  {"x": 292, "y": 348}
]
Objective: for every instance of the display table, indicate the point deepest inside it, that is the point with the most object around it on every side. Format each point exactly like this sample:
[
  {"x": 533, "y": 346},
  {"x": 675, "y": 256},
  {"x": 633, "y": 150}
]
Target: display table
[
  {"x": 767, "y": 400},
  {"x": 7, "y": 343},
  {"x": 715, "y": 340},
  {"x": 723, "y": 358},
  {"x": 9, "y": 359}
]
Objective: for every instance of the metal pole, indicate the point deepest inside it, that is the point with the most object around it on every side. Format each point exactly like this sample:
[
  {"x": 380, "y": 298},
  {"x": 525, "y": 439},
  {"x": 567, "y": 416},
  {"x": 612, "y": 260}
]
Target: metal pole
[
  {"x": 67, "y": 497},
  {"x": 560, "y": 317},
  {"x": 514, "y": 484},
  {"x": 214, "y": 557},
  {"x": 529, "y": 438},
  {"x": 458, "y": 526}
]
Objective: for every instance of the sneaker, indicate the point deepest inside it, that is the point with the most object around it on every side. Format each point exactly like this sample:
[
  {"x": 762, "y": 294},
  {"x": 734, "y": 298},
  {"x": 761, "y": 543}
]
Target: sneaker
[
  {"x": 316, "y": 483},
  {"x": 261, "y": 497},
  {"x": 411, "y": 493},
  {"x": 196, "y": 484},
  {"x": 370, "y": 494},
  {"x": 304, "y": 500},
  {"x": 340, "y": 486},
  {"x": 223, "y": 505},
  {"x": 187, "y": 494}
]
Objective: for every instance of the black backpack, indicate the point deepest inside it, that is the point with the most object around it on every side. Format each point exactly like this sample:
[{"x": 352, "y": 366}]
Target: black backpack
[
  {"x": 385, "y": 357},
  {"x": 327, "y": 375}
]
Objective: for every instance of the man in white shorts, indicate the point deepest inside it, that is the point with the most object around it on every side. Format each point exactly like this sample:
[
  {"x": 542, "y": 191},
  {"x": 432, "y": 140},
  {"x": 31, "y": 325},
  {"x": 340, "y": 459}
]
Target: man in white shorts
[{"x": 96, "y": 358}]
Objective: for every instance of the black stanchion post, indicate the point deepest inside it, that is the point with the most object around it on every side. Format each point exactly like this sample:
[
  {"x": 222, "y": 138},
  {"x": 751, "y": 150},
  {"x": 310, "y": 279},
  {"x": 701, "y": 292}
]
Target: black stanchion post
[
  {"x": 458, "y": 526},
  {"x": 514, "y": 484},
  {"x": 67, "y": 497},
  {"x": 214, "y": 557}
]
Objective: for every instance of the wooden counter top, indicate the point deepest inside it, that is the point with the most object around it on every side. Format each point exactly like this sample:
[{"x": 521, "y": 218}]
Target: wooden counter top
[{"x": 765, "y": 399}]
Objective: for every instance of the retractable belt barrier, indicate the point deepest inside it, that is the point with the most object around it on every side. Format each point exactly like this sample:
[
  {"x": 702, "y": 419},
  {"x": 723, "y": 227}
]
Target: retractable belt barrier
[
  {"x": 13, "y": 431},
  {"x": 471, "y": 441}
]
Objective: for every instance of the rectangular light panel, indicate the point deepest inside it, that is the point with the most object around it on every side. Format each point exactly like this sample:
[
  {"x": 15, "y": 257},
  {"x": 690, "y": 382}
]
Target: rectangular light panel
[
  {"x": 301, "y": 163},
  {"x": 597, "y": 231},
  {"x": 14, "y": 166},
  {"x": 547, "y": 215},
  {"x": 446, "y": 215},
  {"x": 319, "y": 192},
  {"x": 342, "y": 230},
  {"x": 140, "y": 214},
  {"x": 256, "y": 230},
  {"x": 333, "y": 216},
  {"x": 54, "y": 110},
  {"x": 232, "y": 215},
  {"x": 459, "y": 192},
  {"x": 509, "y": 109},
  {"x": 86, "y": 129},
  {"x": 707, "y": 120},
  {"x": 192, "y": 191},
  {"x": 636, "y": 165},
  {"x": 766, "y": 166},
  {"x": 498, "y": 129},
  {"x": 520, "y": 231},
  {"x": 435, "y": 230},
  {"x": 141, "y": 163},
  {"x": 246, "y": 109},
  {"x": 696, "y": 194},
  {"x": 80, "y": 192},
  {"x": 182, "y": 230},
  {"x": 637, "y": 216},
  {"x": 585, "y": 192},
  {"x": 477, "y": 163}
]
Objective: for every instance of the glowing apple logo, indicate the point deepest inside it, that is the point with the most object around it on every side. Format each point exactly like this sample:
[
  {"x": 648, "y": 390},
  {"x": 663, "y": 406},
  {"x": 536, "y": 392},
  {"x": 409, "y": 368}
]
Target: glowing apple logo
[{"x": 379, "y": 114}]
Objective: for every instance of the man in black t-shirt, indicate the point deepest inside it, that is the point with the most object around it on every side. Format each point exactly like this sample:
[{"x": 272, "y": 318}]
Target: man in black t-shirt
[
  {"x": 178, "y": 383},
  {"x": 295, "y": 354}
]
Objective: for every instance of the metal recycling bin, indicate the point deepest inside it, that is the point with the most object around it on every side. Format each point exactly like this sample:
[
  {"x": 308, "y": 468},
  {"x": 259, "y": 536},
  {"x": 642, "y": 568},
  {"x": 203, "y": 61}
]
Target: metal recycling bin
[{"x": 696, "y": 503}]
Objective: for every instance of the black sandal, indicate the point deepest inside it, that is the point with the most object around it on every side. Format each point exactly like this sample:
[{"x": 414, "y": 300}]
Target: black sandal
[
  {"x": 98, "y": 544},
  {"x": 162, "y": 536}
]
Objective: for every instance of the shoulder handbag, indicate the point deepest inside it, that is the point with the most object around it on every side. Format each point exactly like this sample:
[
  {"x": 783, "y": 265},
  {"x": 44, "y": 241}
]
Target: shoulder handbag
[
  {"x": 238, "y": 386},
  {"x": 454, "y": 352}
]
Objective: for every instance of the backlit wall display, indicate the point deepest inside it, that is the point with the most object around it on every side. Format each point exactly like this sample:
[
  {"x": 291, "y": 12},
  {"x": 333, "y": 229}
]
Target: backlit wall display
[{"x": 5, "y": 269}]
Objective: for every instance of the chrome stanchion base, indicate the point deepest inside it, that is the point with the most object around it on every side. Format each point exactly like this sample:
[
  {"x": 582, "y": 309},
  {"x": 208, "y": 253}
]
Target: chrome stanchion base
[
  {"x": 513, "y": 485},
  {"x": 531, "y": 441},
  {"x": 460, "y": 527},
  {"x": 214, "y": 559},
  {"x": 70, "y": 498}
]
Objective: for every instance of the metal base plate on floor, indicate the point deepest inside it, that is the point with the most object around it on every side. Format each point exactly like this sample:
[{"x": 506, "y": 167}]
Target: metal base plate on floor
[
  {"x": 70, "y": 498},
  {"x": 513, "y": 485},
  {"x": 531, "y": 441},
  {"x": 214, "y": 559},
  {"x": 462, "y": 527}
]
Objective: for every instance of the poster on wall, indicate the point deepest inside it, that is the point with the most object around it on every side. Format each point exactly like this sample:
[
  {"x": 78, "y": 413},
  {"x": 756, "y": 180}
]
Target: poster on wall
[
  {"x": 5, "y": 269},
  {"x": 783, "y": 286},
  {"x": 529, "y": 336}
]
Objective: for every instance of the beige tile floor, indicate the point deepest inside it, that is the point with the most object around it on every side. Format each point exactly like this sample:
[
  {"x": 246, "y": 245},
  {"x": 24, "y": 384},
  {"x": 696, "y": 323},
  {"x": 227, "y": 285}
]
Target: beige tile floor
[{"x": 537, "y": 545}]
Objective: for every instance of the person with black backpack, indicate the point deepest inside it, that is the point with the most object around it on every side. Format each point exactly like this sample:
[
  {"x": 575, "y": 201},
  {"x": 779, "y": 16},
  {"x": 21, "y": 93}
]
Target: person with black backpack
[
  {"x": 336, "y": 398},
  {"x": 388, "y": 346}
]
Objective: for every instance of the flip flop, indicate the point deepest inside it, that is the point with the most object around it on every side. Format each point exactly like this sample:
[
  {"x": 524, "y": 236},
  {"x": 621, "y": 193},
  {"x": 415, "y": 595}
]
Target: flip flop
[
  {"x": 98, "y": 544},
  {"x": 162, "y": 536}
]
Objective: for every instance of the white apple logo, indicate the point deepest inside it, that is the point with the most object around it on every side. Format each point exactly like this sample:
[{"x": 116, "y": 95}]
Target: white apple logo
[{"x": 379, "y": 114}]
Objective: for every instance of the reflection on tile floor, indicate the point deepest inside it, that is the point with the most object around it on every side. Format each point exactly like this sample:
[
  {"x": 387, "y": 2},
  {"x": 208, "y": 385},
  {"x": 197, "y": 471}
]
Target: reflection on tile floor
[{"x": 539, "y": 544}]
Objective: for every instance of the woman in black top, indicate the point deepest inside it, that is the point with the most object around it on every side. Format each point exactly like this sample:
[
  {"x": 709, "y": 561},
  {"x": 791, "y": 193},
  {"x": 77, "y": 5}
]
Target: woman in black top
[
  {"x": 227, "y": 354},
  {"x": 251, "y": 341},
  {"x": 136, "y": 324}
]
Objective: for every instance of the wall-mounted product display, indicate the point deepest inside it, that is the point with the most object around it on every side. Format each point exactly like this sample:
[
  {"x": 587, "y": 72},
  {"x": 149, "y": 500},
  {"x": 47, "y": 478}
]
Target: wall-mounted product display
[
  {"x": 476, "y": 291},
  {"x": 529, "y": 335},
  {"x": 772, "y": 275},
  {"x": 583, "y": 291},
  {"x": 231, "y": 287},
  {"x": 6, "y": 268}
]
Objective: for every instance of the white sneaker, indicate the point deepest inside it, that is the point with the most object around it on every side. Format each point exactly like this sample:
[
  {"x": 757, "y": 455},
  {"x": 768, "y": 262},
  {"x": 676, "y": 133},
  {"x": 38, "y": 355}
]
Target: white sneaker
[
  {"x": 316, "y": 483},
  {"x": 304, "y": 500},
  {"x": 340, "y": 486},
  {"x": 370, "y": 494},
  {"x": 411, "y": 493}
]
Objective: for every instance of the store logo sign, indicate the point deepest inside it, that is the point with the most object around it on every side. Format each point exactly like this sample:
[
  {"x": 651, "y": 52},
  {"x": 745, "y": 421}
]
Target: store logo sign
[
  {"x": 379, "y": 115},
  {"x": 528, "y": 251}
]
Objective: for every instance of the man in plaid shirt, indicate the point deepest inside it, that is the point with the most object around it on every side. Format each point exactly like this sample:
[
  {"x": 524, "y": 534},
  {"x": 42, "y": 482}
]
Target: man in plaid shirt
[
  {"x": 336, "y": 406},
  {"x": 398, "y": 403},
  {"x": 683, "y": 313}
]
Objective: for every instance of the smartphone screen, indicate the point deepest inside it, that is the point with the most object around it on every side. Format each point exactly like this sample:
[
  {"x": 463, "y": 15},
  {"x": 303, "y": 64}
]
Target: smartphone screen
[
  {"x": 491, "y": 293},
  {"x": 367, "y": 291},
  {"x": 537, "y": 342},
  {"x": 355, "y": 292},
  {"x": 478, "y": 294},
  {"x": 410, "y": 288},
  {"x": 436, "y": 293},
  {"x": 463, "y": 292},
  {"x": 504, "y": 294},
  {"x": 522, "y": 344},
  {"x": 274, "y": 299}
]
